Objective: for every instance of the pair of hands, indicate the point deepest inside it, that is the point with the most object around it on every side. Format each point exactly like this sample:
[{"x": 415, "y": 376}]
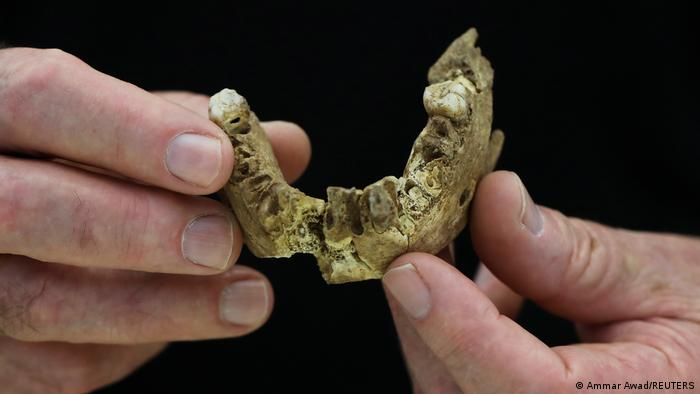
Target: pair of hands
[{"x": 91, "y": 232}]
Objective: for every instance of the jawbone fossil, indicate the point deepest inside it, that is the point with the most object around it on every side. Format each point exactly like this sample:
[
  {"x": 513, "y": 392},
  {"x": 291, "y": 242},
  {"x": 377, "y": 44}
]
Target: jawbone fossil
[{"x": 357, "y": 233}]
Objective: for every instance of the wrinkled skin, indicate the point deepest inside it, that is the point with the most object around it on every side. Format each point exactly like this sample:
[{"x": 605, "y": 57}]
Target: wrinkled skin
[
  {"x": 94, "y": 222},
  {"x": 633, "y": 295}
]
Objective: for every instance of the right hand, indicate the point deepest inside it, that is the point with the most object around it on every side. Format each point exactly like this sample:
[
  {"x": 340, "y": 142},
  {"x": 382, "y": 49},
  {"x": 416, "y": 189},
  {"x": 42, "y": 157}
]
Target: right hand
[{"x": 99, "y": 205}]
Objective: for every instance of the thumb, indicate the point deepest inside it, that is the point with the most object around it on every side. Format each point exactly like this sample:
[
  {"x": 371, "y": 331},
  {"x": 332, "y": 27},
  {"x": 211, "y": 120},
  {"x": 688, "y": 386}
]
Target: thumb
[
  {"x": 481, "y": 349},
  {"x": 578, "y": 269}
]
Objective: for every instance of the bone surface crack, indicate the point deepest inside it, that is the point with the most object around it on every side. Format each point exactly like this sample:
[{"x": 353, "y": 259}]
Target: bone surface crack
[{"x": 356, "y": 233}]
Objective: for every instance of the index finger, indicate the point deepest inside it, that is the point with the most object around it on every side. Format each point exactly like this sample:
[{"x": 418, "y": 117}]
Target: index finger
[
  {"x": 484, "y": 351},
  {"x": 53, "y": 103},
  {"x": 480, "y": 348}
]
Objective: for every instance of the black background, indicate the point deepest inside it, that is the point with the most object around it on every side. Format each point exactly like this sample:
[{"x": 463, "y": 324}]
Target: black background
[{"x": 598, "y": 102}]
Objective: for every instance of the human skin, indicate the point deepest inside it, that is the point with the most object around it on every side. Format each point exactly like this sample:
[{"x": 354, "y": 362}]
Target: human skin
[
  {"x": 100, "y": 205},
  {"x": 356, "y": 233},
  {"x": 634, "y": 297}
]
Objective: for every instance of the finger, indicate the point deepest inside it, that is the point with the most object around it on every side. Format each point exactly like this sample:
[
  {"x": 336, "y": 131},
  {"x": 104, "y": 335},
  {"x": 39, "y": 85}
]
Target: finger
[
  {"x": 61, "y": 214},
  {"x": 53, "y": 103},
  {"x": 67, "y": 368},
  {"x": 506, "y": 300},
  {"x": 289, "y": 141},
  {"x": 486, "y": 352},
  {"x": 428, "y": 373},
  {"x": 51, "y": 302},
  {"x": 480, "y": 348},
  {"x": 95, "y": 170},
  {"x": 578, "y": 269},
  {"x": 291, "y": 147},
  {"x": 195, "y": 102},
  {"x": 629, "y": 364},
  {"x": 665, "y": 346}
]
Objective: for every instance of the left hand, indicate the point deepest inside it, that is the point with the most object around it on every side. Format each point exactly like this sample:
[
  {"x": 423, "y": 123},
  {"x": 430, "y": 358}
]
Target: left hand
[{"x": 634, "y": 297}]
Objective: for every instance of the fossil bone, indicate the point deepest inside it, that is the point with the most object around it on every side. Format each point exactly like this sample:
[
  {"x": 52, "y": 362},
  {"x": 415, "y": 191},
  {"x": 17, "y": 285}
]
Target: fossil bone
[{"x": 357, "y": 233}]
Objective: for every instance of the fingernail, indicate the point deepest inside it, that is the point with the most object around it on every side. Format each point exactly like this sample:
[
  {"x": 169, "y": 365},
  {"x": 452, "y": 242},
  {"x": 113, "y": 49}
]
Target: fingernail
[
  {"x": 208, "y": 241},
  {"x": 404, "y": 283},
  {"x": 447, "y": 253},
  {"x": 244, "y": 302},
  {"x": 194, "y": 158},
  {"x": 483, "y": 276},
  {"x": 530, "y": 215}
]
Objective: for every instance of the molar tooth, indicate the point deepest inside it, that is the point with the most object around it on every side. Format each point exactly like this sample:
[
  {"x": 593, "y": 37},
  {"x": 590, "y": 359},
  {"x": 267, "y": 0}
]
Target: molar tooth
[
  {"x": 357, "y": 233},
  {"x": 447, "y": 98},
  {"x": 382, "y": 209}
]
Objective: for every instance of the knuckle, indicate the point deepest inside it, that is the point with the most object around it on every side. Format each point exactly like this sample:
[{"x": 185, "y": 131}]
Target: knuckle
[
  {"x": 39, "y": 310},
  {"x": 83, "y": 235},
  {"x": 41, "y": 71},
  {"x": 450, "y": 349},
  {"x": 37, "y": 71},
  {"x": 14, "y": 192},
  {"x": 588, "y": 264},
  {"x": 133, "y": 228},
  {"x": 118, "y": 238},
  {"x": 454, "y": 345},
  {"x": 25, "y": 309}
]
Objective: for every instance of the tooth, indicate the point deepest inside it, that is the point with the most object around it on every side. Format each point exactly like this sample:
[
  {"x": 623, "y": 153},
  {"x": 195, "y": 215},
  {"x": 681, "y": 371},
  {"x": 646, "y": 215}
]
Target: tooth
[{"x": 357, "y": 233}]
